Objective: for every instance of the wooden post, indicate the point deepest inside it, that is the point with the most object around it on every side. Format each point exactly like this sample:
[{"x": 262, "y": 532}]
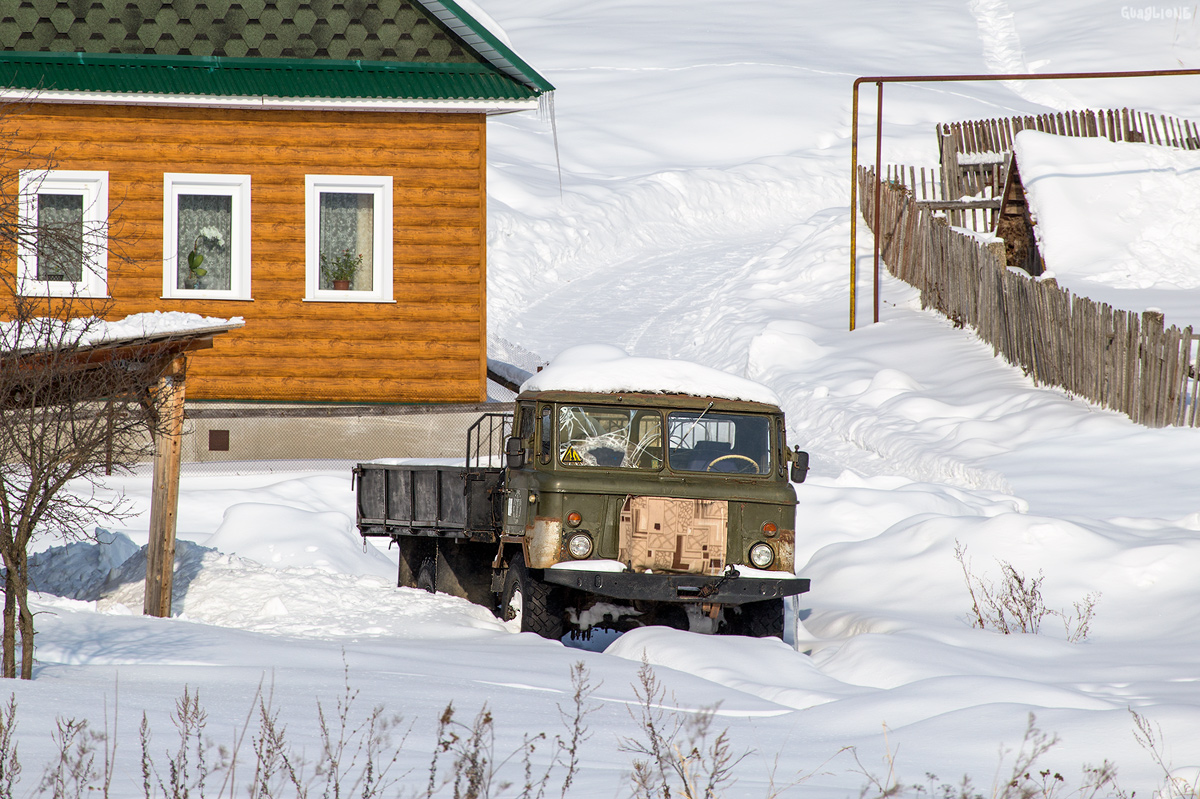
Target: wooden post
[{"x": 164, "y": 493}]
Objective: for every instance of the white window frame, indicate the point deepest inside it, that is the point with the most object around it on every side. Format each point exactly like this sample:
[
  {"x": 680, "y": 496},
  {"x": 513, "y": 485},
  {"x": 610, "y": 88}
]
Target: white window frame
[
  {"x": 380, "y": 187},
  {"x": 93, "y": 187},
  {"x": 236, "y": 187}
]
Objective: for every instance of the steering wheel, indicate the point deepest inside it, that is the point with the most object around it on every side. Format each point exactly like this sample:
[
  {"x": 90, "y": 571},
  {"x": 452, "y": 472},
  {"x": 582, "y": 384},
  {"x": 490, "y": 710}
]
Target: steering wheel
[{"x": 715, "y": 461}]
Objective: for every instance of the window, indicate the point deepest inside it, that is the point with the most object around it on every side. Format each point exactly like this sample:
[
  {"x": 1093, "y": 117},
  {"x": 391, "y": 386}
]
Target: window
[
  {"x": 67, "y": 214},
  {"x": 546, "y": 426},
  {"x": 348, "y": 238},
  {"x": 524, "y": 423},
  {"x": 719, "y": 442},
  {"x": 206, "y": 236},
  {"x": 616, "y": 438}
]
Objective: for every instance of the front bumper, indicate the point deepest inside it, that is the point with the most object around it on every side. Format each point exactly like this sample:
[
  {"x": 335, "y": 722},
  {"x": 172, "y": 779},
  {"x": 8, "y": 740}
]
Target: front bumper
[{"x": 718, "y": 590}]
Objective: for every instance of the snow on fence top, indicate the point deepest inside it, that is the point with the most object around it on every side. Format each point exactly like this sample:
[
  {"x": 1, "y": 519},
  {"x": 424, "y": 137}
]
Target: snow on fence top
[
  {"x": 605, "y": 369},
  {"x": 16, "y": 337},
  {"x": 1120, "y": 214}
]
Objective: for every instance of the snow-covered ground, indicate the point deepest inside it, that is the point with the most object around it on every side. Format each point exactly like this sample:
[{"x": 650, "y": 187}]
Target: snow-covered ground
[{"x": 703, "y": 214}]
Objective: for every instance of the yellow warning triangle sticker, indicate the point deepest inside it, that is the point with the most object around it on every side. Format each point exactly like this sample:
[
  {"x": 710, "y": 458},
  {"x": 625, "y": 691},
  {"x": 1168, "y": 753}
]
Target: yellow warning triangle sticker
[{"x": 571, "y": 456}]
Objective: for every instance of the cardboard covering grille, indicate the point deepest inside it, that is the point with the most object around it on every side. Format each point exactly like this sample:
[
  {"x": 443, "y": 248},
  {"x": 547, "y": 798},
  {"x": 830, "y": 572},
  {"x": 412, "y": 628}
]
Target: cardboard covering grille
[{"x": 674, "y": 535}]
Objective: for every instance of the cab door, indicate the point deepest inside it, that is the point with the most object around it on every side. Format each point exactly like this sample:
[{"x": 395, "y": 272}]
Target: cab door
[{"x": 517, "y": 505}]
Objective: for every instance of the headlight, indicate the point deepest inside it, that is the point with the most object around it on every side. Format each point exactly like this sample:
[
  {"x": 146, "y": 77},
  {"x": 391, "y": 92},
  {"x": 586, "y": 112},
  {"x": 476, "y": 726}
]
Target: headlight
[
  {"x": 761, "y": 555},
  {"x": 579, "y": 545}
]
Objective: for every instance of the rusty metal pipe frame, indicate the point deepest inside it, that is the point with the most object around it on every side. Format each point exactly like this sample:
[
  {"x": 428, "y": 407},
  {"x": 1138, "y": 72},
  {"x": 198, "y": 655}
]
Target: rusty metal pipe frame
[{"x": 879, "y": 81}]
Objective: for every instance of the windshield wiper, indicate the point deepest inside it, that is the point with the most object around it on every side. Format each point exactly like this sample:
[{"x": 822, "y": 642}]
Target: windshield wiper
[{"x": 695, "y": 422}]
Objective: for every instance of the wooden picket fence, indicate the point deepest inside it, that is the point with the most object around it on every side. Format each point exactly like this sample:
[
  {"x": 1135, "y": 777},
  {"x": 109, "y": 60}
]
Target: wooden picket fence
[
  {"x": 1120, "y": 124},
  {"x": 1122, "y": 360},
  {"x": 974, "y": 154}
]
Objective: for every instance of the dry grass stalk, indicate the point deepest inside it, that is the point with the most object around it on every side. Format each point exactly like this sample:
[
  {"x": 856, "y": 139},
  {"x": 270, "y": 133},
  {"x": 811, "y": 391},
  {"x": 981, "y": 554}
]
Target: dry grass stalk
[
  {"x": 676, "y": 755},
  {"x": 1015, "y": 605}
]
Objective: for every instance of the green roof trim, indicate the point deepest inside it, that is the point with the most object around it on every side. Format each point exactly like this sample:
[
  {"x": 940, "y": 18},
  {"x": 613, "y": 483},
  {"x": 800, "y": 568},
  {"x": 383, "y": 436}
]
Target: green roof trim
[
  {"x": 214, "y": 76},
  {"x": 483, "y": 40}
]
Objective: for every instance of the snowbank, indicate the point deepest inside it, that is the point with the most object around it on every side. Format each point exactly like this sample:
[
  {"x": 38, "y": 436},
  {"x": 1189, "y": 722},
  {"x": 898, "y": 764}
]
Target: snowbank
[{"x": 280, "y": 536}]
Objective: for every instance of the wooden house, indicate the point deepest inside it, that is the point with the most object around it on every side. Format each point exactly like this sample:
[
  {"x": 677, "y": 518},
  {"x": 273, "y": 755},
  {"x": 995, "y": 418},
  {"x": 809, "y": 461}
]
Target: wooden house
[{"x": 315, "y": 167}]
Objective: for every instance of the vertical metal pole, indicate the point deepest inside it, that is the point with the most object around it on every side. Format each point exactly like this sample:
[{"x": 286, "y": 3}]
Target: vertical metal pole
[
  {"x": 878, "y": 167},
  {"x": 854, "y": 207}
]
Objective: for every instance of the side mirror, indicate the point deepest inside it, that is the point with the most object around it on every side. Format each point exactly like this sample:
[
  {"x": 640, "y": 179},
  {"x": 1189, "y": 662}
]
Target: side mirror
[
  {"x": 514, "y": 453},
  {"x": 799, "y": 466}
]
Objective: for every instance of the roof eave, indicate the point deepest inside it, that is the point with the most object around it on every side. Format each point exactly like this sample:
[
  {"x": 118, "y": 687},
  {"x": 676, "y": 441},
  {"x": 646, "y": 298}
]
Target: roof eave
[
  {"x": 486, "y": 44},
  {"x": 487, "y": 106}
]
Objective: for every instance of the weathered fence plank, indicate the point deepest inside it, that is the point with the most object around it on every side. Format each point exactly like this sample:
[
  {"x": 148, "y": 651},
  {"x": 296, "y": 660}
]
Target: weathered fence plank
[{"x": 1117, "y": 359}]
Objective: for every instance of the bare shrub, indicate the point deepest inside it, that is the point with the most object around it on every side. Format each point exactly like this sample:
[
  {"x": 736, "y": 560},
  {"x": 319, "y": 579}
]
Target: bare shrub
[
  {"x": 10, "y": 763},
  {"x": 475, "y": 770},
  {"x": 1024, "y": 778},
  {"x": 676, "y": 754},
  {"x": 270, "y": 754},
  {"x": 1027, "y": 780},
  {"x": 1150, "y": 737},
  {"x": 1015, "y": 605},
  {"x": 194, "y": 761},
  {"x": 63, "y": 419},
  {"x": 574, "y": 718},
  {"x": 72, "y": 774},
  {"x": 354, "y": 758},
  {"x": 472, "y": 747}
]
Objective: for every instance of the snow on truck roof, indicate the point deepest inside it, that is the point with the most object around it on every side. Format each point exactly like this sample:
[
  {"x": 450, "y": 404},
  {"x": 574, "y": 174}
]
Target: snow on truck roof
[{"x": 605, "y": 369}]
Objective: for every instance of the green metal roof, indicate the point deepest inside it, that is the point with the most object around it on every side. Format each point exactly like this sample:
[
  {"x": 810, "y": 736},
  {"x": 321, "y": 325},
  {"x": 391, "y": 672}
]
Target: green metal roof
[
  {"x": 256, "y": 77},
  {"x": 374, "y": 30},
  {"x": 387, "y": 49}
]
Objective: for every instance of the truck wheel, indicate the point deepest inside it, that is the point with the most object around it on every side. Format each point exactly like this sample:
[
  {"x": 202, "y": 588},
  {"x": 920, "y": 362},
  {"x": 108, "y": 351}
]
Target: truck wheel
[
  {"x": 427, "y": 574},
  {"x": 413, "y": 553},
  {"x": 755, "y": 619},
  {"x": 535, "y": 604}
]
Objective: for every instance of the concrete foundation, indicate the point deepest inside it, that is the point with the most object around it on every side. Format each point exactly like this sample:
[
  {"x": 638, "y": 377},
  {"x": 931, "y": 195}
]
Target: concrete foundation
[{"x": 255, "y": 434}]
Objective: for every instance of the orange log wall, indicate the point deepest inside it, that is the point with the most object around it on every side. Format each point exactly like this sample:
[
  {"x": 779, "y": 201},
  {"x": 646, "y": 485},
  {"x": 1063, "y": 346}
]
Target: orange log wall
[{"x": 427, "y": 346}]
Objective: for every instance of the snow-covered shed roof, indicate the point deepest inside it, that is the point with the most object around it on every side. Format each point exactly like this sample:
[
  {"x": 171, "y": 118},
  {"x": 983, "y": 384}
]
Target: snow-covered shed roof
[
  {"x": 89, "y": 332},
  {"x": 1121, "y": 215}
]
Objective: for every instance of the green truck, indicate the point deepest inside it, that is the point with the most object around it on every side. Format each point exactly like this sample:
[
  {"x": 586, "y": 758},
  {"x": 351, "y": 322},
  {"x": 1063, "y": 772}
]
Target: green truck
[{"x": 583, "y": 510}]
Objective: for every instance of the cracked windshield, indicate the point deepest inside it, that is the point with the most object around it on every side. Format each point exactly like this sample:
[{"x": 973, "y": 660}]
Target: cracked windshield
[{"x": 625, "y": 438}]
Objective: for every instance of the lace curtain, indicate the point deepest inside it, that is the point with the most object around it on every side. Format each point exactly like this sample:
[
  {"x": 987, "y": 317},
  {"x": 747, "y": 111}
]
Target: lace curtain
[
  {"x": 347, "y": 231},
  {"x": 60, "y": 237},
  {"x": 205, "y": 225}
]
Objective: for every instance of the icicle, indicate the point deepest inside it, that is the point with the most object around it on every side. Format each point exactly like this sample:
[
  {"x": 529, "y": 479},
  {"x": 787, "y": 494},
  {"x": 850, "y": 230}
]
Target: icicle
[
  {"x": 545, "y": 106},
  {"x": 546, "y": 112}
]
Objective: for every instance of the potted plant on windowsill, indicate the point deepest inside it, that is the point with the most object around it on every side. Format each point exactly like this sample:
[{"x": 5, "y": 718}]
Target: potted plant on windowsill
[
  {"x": 195, "y": 258},
  {"x": 341, "y": 268}
]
